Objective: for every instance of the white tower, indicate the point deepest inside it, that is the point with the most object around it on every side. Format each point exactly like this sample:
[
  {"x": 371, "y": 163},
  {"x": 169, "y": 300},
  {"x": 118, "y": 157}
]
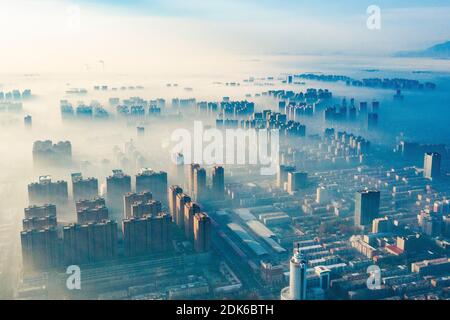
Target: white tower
[{"x": 297, "y": 278}]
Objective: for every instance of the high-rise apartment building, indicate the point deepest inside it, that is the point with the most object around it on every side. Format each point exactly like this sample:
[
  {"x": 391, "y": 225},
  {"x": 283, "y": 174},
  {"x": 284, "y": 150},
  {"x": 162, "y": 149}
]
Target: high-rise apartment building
[
  {"x": 40, "y": 211},
  {"x": 90, "y": 203},
  {"x": 190, "y": 209},
  {"x": 140, "y": 208},
  {"x": 432, "y": 165},
  {"x": 84, "y": 188},
  {"x": 322, "y": 195},
  {"x": 218, "y": 183},
  {"x": 282, "y": 175},
  {"x": 39, "y": 238},
  {"x": 191, "y": 168},
  {"x": 40, "y": 248},
  {"x": 382, "y": 225},
  {"x": 154, "y": 182},
  {"x": 181, "y": 201},
  {"x": 147, "y": 234},
  {"x": 172, "y": 193},
  {"x": 367, "y": 207},
  {"x": 94, "y": 214},
  {"x": 39, "y": 217},
  {"x": 199, "y": 184},
  {"x": 90, "y": 243},
  {"x": 38, "y": 223},
  {"x": 46, "y": 191},
  {"x": 177, "y": 169},
  {"x": 45, "y": 153},
  {"x": 132, "y": 197},
  {"x": 117, "y": 185},
  {"x": 202, "y": 232},
  {"x": 296, "y": 180}
]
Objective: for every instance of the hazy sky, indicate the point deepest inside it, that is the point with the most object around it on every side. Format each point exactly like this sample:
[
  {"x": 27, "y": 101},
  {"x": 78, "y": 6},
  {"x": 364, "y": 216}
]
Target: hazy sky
[{"x": 132, "y": 35}]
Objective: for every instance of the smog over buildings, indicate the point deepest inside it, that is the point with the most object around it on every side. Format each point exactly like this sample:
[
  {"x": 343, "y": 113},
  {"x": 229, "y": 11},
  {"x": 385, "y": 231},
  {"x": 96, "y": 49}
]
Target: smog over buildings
[{"x": 228, "y": 150}]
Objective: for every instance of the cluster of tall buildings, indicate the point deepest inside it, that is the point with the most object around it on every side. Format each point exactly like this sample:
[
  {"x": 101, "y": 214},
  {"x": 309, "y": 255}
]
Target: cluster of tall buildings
[
  {"x": 138, "y": 108},
  {"x": 145, "y": 227},
  {"x": 46, "y": 153},
  {"x": 351, "y": 112},
  {"x": 342, "y": 143},
  {"x": 295, "y": 111},
  {"x": 395, "y": 83},
  {"x": 236, "y": 108},
  {"x": 291, "y": 180},
  {"x": 92, "y": 239},
  {"x": 188, "y": 216},
  {"x": 197, "y": 182},
  {"x": 82, "y": 111},
  {"x": 88, "y": 240},
  {"x": 119, "y": 184},
  {"x": 133, "y": 216},
  {"x": 15, "y": 94},
  {"x": 308, "y": 104},
  {"x": 267, "y": 119},
  {"x": 415, "y": 151},
  {"x": 311, "y": 95},
  {"x": 137, "y": 112},
  {"x": 47, "y": 191},
  {"x": 39, "y": 237}
]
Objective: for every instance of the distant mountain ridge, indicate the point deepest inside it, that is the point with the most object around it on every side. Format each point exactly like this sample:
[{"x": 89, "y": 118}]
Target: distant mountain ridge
[{"x": 440, "y": 51}]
